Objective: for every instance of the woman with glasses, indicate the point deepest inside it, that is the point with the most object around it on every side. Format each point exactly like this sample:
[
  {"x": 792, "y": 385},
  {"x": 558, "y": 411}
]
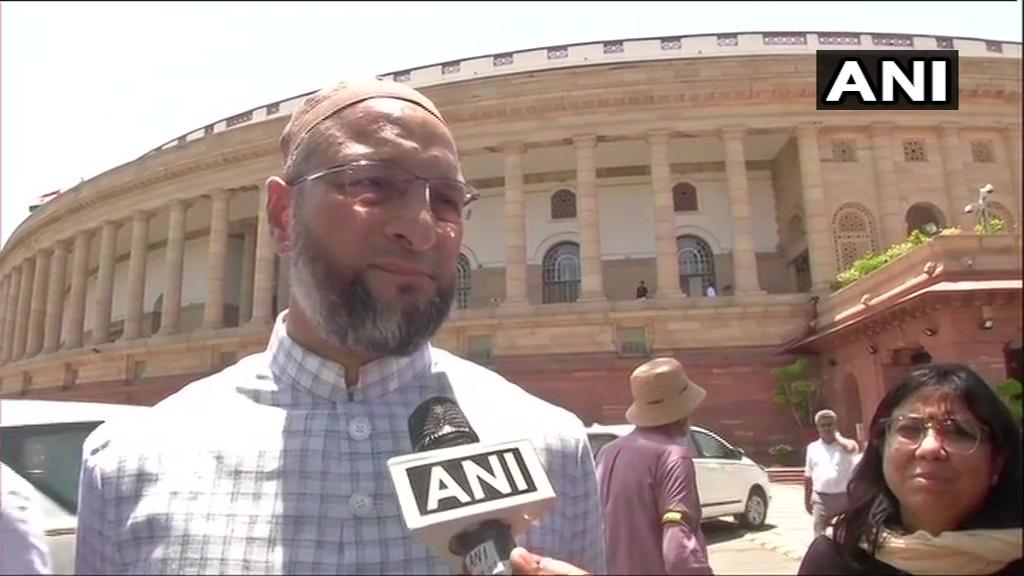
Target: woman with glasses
[{"x": 938, "y": 490}]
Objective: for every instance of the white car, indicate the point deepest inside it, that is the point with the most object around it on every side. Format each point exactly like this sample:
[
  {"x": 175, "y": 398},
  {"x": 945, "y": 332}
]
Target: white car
[
  {"x": 41, "y": 441},
  {"x": 729, "y": 483}
]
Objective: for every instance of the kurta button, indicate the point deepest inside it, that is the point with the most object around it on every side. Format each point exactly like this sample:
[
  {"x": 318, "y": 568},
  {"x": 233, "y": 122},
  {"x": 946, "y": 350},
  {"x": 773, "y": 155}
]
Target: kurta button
[
  {"x": 359, "y": 428},
  {"x": 360, "y": 504}
]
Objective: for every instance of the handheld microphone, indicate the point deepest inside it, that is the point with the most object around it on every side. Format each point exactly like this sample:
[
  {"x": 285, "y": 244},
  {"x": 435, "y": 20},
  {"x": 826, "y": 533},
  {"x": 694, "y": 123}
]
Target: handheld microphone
[{"x": 463, "y": 499}]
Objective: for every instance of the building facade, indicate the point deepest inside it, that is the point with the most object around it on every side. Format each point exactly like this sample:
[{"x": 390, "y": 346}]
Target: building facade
[{"x": 686, "y": 163}]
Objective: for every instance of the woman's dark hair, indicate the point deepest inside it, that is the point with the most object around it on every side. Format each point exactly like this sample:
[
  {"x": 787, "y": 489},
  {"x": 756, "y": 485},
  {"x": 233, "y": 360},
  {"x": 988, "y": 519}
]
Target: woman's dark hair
[{"x": 872, "y": 504}]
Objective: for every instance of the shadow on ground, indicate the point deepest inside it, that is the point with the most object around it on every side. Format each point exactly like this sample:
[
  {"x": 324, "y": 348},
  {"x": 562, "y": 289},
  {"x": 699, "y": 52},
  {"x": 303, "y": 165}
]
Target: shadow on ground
[{"x": 718, "y": 531}]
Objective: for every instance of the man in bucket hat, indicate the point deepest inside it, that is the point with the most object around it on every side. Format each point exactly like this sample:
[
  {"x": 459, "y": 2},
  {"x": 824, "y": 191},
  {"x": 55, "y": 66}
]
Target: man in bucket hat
[{"x": 648, "y": 484}]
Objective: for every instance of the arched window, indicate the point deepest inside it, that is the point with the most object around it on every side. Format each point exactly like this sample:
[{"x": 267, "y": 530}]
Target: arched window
[
  {"x": 853, "y": 232},
  {"x": 696, "y": 265},
  {"x": 684, "y": 197},
  {"x": 563, "y": 204},
  {"x": 562, "y": 273},
  {"x": 463, "y": 284},
  {"x": 997, "y": 210},
  {"x": 920, "y": 215}
]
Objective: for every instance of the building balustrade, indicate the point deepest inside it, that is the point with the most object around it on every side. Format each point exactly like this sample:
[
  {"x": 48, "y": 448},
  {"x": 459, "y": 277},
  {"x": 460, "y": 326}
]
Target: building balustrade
[{"x": 196, "y": 353}]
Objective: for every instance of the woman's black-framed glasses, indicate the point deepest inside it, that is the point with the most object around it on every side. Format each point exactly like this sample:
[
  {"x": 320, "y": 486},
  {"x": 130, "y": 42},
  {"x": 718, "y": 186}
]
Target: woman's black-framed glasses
[
  {"x": 385, "y": 185},
  {"x": 957, "y": 436}
]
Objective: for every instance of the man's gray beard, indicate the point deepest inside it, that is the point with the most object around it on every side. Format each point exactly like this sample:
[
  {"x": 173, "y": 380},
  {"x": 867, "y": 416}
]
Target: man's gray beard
[{"x": 349, "y": 316}]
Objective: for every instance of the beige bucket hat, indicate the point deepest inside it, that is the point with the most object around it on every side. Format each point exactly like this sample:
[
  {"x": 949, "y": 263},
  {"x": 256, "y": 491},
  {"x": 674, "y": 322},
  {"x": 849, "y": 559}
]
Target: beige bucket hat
[{"x": 662, "y": 393}]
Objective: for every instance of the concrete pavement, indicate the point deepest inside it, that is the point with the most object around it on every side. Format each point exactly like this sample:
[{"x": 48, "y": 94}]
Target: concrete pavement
[
  {"x": 789, "y": 528},
  {"x": 777, "y": 548},
  {"x": 731, "y": 552}
]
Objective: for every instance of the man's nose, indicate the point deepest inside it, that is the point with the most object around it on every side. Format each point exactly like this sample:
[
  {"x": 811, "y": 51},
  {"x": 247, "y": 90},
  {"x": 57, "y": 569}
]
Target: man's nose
[{"x": 412, "y": 222}]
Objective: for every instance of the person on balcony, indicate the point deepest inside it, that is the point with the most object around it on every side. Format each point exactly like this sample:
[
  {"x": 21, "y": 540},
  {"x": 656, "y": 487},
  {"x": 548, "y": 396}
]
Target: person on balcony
[{"x": 641, "y": 290}]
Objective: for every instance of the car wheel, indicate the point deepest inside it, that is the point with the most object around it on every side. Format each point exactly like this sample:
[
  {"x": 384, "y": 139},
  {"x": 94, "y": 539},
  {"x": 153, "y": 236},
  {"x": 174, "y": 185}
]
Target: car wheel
[{"x": 756, "y": 510}]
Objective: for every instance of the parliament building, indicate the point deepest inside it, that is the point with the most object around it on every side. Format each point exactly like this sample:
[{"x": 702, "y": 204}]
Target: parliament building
[{"x": 698, "y": 165}]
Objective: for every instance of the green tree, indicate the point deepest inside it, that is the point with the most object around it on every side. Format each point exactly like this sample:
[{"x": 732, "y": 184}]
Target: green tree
[
  {"x": 797, "y": 392},
  {"x": 1011, "y": 393}
]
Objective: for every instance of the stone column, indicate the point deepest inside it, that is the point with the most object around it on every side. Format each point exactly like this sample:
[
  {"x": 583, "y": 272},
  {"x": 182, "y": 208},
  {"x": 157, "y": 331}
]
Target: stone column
[
  {"x": 137, "y": 276},
  {"x": 515, "y": 225},
  {"x": 956, "y": 181},
  {"x": 55, "y": 298},
  {"x": 819, "y": 242},
  {"x": 213, "y": 311},
  {"x": 37, "y": 314},
  {"x": 666, "y": 261},
  {"x": 174, "y": 265},
  {"x": 1012, "y": 137},
  {"x": 4, "y": 287},
  {"x": 894, "y": 228},
  {"x": 263, "y": 292},
  {"x": 79, "y": 277},
  {"x": 592, "y": 281},
  {"x": 105, "y": 284},
  {"x": 744, "y": 254},
  {"x": 14, "y": 281},
  {"x": 248, "y": 265},
  {"x": 28, "y": 268}
]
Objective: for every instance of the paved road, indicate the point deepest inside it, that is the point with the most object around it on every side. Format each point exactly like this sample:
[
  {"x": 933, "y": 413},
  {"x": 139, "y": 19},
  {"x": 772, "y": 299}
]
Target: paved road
[
  {"x": 775, "y": 549},
  {"x": 731, "y": 551},
  {"x": 789, "y": 528}
]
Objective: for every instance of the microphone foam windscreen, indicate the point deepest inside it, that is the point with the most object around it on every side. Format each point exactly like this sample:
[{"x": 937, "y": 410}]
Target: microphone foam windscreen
[{"x": 439, "y": 423}]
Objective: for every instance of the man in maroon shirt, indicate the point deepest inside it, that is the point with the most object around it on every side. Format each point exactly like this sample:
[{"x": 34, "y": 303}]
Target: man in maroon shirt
[{"x": 648, "y": 483}]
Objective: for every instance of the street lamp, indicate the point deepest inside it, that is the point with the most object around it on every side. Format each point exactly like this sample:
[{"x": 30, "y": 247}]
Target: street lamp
[{"x": 981, "y": 206}]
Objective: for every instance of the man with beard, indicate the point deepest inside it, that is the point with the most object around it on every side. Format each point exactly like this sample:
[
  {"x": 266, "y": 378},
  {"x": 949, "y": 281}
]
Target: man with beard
[{"x": 277, "y": 464}]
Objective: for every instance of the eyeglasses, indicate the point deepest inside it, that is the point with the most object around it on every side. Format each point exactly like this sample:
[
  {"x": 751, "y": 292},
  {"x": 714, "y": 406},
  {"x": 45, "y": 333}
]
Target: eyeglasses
[
  {"x": 958, "y": 436},
  {"x": 381, "y": 184}
]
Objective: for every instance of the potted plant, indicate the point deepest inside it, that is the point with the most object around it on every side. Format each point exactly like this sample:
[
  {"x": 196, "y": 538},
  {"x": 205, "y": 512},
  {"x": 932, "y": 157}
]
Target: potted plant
[{"x": 782, "y": 454}]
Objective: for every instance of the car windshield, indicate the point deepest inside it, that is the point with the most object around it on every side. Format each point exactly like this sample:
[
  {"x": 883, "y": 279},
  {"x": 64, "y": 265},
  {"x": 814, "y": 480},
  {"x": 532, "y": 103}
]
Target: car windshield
[{"x": 49, "y": 456}]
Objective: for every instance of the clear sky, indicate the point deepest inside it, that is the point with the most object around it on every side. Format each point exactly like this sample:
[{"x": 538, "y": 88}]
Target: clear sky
[{"x": 86, "y": 86}]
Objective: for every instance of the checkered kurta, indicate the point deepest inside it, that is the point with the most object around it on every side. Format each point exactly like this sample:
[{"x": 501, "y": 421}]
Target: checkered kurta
[{"x": 272, "y": 467}]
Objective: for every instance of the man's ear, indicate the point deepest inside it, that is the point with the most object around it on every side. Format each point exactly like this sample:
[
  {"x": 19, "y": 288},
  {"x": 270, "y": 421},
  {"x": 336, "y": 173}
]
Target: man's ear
[{"x": 279, "y": 214}]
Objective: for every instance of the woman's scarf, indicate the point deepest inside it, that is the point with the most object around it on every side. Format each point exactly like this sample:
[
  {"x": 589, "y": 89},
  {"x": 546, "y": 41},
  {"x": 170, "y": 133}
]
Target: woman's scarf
[{"x": 980, "y": 551}]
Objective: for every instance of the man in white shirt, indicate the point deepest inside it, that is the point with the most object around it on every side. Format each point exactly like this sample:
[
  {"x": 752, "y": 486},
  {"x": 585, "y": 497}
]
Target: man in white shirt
[
  {"x": 23, "y": 547},
  {"x": 829, "y": 463},
  {"x": 277, "y": 464}
]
